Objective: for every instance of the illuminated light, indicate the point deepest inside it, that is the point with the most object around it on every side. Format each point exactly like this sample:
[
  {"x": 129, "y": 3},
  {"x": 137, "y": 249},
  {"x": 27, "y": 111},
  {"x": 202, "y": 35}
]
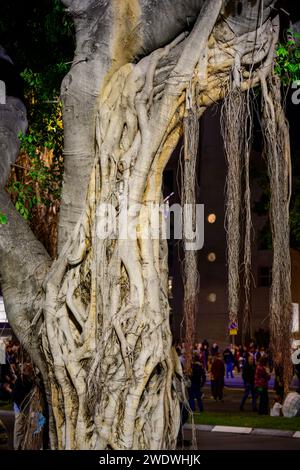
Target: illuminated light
[
  {"x": 212, "y": 297},
  {"x": 170, "y": 287},
  {"x": 211, "y": 218},
  {"x": 211, "y": 257}
]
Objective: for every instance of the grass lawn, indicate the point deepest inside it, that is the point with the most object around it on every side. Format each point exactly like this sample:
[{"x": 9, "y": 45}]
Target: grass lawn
[{"x": 250, "y": 420}]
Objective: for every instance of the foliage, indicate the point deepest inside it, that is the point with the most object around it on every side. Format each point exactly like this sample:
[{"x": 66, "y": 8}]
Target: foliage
[
  {"x": 3, "y": 219},
  {"x": 41, "y": 178},
  {"x": 42, "y": 50},
  {"x": 287, "y": 64}
]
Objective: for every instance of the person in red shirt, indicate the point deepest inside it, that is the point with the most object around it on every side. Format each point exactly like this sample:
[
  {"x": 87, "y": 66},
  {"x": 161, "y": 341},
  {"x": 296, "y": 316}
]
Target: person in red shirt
[{"x": 261, "y": 386}]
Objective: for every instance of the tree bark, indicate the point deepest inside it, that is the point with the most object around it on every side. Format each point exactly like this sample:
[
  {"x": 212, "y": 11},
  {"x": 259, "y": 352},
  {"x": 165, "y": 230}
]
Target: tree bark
[{"x": 104, "y": 43}]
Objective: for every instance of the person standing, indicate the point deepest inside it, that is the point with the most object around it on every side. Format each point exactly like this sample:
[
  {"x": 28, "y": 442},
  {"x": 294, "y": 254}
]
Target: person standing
[
  {"x": 261, "y": 386},
  {"x": 229, "y": 361},
  {"x": 197, "y": 378},
  {"x": 217, "y": 375},
  {"x": 214, "y": 349},
  {"x": 248, "y": 375}
]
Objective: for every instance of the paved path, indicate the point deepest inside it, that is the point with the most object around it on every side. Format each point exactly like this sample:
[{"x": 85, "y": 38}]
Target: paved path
[
  {"x": 224, "y": 441},
  {"x": 231, "y": 403}
]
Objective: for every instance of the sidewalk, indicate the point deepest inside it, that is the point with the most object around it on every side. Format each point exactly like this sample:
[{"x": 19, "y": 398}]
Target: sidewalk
[{"x": 244, "y": 430}]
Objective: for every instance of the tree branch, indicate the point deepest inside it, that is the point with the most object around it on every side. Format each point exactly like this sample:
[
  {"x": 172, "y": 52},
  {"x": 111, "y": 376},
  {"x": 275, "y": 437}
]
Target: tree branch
[
  {"x": 23, "y": 259},
  {"x": 23, "y": 265}
]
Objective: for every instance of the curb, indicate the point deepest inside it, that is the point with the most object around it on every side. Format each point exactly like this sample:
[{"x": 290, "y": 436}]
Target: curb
[{"x": 243, "y": 430}]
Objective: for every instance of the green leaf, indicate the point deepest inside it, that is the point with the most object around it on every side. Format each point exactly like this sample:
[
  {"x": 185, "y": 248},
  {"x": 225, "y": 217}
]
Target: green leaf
[
  {"x": 292, "y": 67},
  {"x": 3, "y": 219},
  {"x": 282, "y": 51}
]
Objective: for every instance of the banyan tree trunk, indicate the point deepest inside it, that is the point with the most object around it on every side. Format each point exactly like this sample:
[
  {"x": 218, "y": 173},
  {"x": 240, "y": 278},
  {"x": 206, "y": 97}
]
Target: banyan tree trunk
[{"x": 106, "y": 333}]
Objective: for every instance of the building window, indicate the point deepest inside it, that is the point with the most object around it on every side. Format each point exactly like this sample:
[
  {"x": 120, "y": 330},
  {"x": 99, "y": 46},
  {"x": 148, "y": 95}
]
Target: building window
[
  {"x": 211, "y": 257},
  {"x": 211, "y": 218},
  {"x": 264, "y": 276},
  {"x": 212, "y": 297}
]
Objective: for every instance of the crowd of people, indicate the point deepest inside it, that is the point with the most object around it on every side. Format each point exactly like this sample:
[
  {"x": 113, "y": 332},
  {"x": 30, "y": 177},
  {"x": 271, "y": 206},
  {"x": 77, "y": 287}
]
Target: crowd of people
[
  {"x": 254, "y": 363},
  {"x": 9, "y": 370}
]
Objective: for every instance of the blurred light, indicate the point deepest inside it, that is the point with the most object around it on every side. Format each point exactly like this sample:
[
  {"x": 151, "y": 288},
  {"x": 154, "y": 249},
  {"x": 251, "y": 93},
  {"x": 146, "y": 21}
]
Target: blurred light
[
  {"x": 170, "y": 287},
  {"x": 211, "y": 218},
  {"x": 212, "y": 297}
]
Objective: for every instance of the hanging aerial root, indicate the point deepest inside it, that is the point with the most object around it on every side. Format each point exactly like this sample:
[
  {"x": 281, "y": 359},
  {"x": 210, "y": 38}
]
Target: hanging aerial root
[
  {"x": 247, "y": 221},
  {"x": 188, "y": 198},
  {"x": 236, "y": 124},
  {"x": 277, "y": 153},
  {"x": 34, "y": 422},
  {"x": 232, "y": 125}
]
